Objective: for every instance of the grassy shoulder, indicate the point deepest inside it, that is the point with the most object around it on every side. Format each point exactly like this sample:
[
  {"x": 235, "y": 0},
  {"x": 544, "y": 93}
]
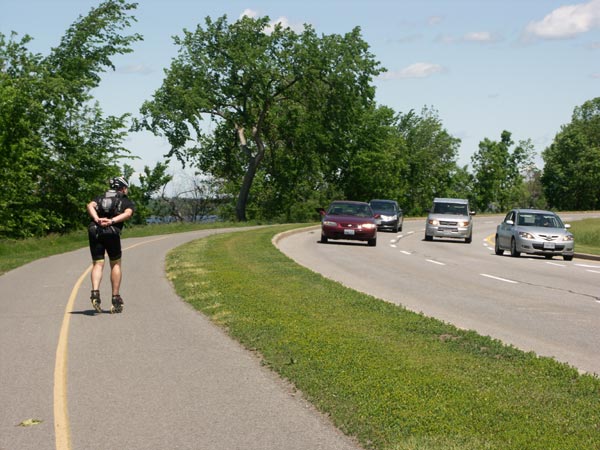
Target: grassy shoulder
[
  {"x": 390, "y": 377},
  {"x": 587, "y": 236}
]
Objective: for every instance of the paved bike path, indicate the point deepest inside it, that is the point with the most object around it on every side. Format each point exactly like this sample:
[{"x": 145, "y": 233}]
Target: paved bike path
[{"x": 158, "y": 376}]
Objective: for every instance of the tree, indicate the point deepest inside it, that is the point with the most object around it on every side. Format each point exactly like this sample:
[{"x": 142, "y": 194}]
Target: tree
[
  {"x": 378, "y": 159},
  {"x": 152, "y": 182},
  {"x": 498, "y": 172},
  {"x": 430, "y": 159},
  {"x": 571, "y": 177},
  {"x": 57, "y": 148},
  {"x": 243, "y": 76}
]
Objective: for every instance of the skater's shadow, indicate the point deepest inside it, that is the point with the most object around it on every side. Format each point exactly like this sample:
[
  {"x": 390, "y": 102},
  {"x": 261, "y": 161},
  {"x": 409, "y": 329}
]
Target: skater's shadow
[{"x": 87, "y": 312}]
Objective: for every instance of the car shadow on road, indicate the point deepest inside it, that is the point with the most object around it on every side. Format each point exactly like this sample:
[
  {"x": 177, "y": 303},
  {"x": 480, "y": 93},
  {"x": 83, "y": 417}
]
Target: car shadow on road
[
  {"x": 352, "y": 244},
  {"x": 446, "y": 240}
]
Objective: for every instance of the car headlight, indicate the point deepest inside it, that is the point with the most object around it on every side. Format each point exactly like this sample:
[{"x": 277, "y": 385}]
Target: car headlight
[
  {"x": 368, "y": 226},
  {"x": 389, "y": 217},
  {"x": 433, "y": 222},
  {"x": 329, "y": 223},
  {"x": 526, "y": 235},
  {"x": 463, "y": 224},
  {"x": 568, "y": 237}
]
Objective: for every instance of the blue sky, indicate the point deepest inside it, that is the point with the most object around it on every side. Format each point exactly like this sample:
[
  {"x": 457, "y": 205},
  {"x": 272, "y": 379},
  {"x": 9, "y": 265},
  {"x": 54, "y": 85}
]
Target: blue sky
[{"x": 485, "y": 66}]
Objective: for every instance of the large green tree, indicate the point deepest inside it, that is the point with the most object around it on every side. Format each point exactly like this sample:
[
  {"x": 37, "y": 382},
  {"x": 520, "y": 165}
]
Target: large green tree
[
  {"x": 56, "y": 147},
  {"x": 571, "y": 177},
  {"x": 431, "y": 153},
  {"x": 244, "y": 77},
  {"x": 499, "y": 172},
  {"x": 378, "y": 159}
]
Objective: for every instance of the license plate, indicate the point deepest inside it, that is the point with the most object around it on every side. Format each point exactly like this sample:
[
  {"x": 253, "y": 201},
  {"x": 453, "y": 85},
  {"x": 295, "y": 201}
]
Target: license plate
[
  {"x": 349, "y": 232},
  {"x": 549, "y": 246},
  {"x": 448, "y": 230}
]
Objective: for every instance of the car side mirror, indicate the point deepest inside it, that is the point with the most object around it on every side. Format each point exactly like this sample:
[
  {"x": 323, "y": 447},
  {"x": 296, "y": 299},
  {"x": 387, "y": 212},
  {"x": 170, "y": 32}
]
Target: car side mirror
[
  {"x": 510, "y": 222},
  {"x": 377, "y": 216},
  {"x": 472, "y": 213},
  {"x": 567, "y": 226},
  {"x": 321, "y": 211}
]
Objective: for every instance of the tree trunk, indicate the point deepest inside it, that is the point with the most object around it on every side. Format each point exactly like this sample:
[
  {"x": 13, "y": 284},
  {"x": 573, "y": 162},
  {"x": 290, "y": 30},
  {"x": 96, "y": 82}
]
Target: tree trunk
[{"x": 253, "y": 163}]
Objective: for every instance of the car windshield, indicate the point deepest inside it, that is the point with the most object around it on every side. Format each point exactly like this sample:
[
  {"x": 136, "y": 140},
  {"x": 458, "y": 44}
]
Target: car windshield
[
  {"x": 350, "y": 209},
  {"x": 539, "y": 220},
  {"x": 383, "y": 206},
  {"x": 459, "y": 209}
]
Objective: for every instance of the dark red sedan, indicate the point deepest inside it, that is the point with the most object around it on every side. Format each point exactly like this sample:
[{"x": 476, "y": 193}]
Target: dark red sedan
[{"x": 350, "y": 220}]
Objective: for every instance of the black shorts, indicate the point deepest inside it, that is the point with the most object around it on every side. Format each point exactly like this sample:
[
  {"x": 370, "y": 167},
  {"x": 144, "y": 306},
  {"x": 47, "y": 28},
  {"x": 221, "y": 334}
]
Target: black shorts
[{"x": 104, "y": 240}]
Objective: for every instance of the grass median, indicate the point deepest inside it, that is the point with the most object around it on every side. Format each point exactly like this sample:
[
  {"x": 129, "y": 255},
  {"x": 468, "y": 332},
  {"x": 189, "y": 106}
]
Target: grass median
[
  {"x": 587, "y": 236},
  {"x": 392, "y": 378}
]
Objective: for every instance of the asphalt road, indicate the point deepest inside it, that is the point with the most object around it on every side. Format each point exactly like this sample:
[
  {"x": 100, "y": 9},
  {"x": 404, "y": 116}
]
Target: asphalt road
[
  {"x": 551, "y": 307},
  {"x": 159, "y": 376}
]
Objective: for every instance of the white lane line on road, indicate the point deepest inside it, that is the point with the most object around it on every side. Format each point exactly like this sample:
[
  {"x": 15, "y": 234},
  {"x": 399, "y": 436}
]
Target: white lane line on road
[
  {"x": 405, "y": 252},
  {"x": 498, "y": 278},
  {"x": 62, "y": 427},
  {"x": 555, "y": 264},
  {"x": 592, "y": 266},
  {"x": 593, "y": 271},
  {"x": 435, "y": 262}
]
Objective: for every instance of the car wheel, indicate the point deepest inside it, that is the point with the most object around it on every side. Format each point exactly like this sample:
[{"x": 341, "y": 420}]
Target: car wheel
[
  {"x": 428, "y": 238},
  {"x": 395, "y": 229},
  {"x": 468, "y": 240},
  {"x": 372, "y": 242},
  {"x": 400, "y": 227},
  {"x": 513, "y": 249},
  {"x": 568, "y": 257},
  {"x": 548, "y": 256},
  {"x": 497, "y": 248},
  {"x": 324, "y": 239}
]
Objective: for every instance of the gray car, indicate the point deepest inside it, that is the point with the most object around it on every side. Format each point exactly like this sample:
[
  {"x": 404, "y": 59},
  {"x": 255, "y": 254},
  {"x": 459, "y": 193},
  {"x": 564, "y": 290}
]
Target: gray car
[
  {"x": 449, "y": 218},
  {"x": 390, "y": 214},
  {"x": 535, "y": 232}
]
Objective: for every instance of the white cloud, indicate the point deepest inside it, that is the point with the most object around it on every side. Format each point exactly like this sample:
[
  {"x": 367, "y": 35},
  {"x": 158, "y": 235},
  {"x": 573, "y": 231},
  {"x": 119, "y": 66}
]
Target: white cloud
[
  {"x": 249, "y": 13},
  {"x": 483, "y": 37},
  {"x": 566, "y": 21},
  {"x": 479, "y": 36},
  {"x": 283, "y": 21},
  {"x": 435, "y": 20},
  {"x": 416, "y": 70},
  {"x": 135, "y": 68}
]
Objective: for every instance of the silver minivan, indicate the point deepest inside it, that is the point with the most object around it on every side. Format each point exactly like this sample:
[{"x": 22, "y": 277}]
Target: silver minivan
[{"x": 450, "y": 218}]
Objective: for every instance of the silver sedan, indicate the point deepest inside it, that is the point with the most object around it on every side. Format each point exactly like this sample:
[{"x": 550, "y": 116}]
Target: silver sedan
[{"x": 535, "y": 232}]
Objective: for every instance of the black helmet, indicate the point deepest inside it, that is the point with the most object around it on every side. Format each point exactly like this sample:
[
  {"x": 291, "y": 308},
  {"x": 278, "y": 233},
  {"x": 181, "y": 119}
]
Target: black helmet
[{"x": 119, "y": 183}]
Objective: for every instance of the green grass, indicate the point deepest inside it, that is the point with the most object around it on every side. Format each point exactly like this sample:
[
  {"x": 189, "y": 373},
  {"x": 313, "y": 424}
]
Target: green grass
[
  {"x": 392, "y": 378},
  {"x": 15, "y": 253},
  {"x": 587, "y": 236}
]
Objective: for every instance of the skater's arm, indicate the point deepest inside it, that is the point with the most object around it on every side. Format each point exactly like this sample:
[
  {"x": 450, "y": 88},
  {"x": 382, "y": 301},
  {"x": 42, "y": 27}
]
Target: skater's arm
[{"x": 124, "y": 216}]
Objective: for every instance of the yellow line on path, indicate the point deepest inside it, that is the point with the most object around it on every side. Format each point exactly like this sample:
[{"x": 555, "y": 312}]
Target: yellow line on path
[{"x": 62, "y": 427}]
